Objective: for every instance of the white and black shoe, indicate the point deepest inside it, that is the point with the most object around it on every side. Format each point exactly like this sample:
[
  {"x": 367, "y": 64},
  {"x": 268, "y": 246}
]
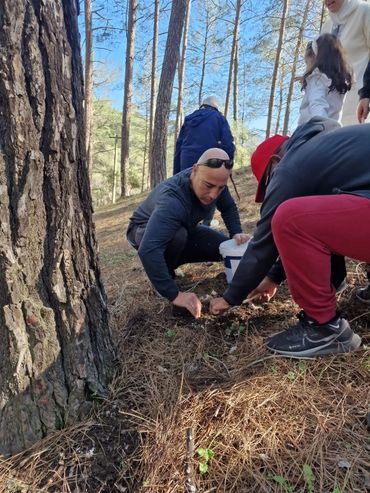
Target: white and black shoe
[{"x": 308, "y": 338}]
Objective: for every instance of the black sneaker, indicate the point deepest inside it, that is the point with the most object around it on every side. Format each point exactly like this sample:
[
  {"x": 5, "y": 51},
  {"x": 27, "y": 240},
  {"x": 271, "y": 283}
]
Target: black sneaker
[
  {"x": 363, "y": 294},
  {"x": 309, "y": 338}
]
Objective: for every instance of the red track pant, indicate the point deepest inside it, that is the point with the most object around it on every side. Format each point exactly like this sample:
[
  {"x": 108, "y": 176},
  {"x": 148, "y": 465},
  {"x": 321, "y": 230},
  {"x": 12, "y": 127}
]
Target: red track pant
[{"x": 307, "y": 230}]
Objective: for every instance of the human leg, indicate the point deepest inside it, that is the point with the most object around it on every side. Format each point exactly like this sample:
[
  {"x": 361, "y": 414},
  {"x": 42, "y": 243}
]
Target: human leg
[
  {"x": 202, "y": 246},
  {"x": 307, "y": 231},
  {"x": 135, "y": 234}
]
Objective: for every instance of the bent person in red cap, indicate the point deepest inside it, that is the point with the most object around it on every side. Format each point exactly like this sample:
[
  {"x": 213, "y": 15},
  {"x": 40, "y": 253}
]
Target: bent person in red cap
[{"x": 316, "y": 204}]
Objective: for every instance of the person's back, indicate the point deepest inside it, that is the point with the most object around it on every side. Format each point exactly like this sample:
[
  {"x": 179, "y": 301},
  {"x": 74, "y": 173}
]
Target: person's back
[
  {"x": 203, "y": 129},
  {"x": 351, "y": 23},
  {"x": 327, "y": 79}
]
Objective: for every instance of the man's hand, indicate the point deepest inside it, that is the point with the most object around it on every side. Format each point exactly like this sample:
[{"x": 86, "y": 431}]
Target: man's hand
[
  {"x": 218, "y": 306},
  {"x": 190, "y": 301},
  {"x": 241, "y": 238},
  {"x": 264, "y": 291},
  {"x": 363, "y": 109}
]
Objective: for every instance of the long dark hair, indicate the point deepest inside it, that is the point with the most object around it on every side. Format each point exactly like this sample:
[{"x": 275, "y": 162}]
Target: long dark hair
[{"x": 331, "y": 61}]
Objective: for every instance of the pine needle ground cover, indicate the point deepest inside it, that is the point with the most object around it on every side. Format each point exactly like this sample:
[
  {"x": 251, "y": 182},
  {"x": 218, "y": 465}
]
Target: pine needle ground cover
[{"x": 259, "y": 423}]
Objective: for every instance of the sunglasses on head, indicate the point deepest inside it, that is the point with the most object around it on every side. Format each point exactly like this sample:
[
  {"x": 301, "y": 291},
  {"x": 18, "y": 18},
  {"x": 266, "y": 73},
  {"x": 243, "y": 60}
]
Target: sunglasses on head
[{"x": 217, "y": 163}]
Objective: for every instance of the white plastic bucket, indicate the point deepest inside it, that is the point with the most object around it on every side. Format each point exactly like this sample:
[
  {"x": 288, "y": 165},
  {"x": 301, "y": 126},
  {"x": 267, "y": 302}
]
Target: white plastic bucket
[{"x": 232, "y": 253}]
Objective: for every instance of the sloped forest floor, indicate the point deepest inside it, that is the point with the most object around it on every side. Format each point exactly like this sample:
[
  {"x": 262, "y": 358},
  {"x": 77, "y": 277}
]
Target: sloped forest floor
[{"x": 260, "y": 423}]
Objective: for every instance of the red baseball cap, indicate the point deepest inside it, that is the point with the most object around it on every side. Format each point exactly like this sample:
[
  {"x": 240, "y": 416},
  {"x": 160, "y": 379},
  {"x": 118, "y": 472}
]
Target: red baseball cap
[{"x": 260, "y": 159}]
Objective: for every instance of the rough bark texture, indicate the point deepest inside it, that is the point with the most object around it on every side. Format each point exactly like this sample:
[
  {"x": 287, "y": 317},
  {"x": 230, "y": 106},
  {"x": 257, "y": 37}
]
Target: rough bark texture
[
  {"x": 162, "y": 112},
  {"x": 88, "y": 84},
  {"x": 56, "y": 348},
  {"x": 276, "y": 67},
  {"x": 127, "y": 97},
  {"x": 294, "y": 66},
  {"x": 232, "y": 56},
  {"x": 181, "y": 72}
]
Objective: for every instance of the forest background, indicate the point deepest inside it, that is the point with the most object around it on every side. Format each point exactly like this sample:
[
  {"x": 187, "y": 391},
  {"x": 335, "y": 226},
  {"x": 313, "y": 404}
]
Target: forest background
[{"x": 247, "y": 53}]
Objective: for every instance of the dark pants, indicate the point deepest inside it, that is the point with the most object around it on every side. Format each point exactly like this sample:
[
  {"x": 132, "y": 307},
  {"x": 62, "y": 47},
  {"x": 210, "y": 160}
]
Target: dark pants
[{"x": 199, "y": 245}]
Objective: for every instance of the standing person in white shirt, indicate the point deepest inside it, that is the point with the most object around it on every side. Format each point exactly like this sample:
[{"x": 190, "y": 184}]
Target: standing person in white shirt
[
  {"x": 327, "y": 79},
  {"x": 350, "y": 21}
]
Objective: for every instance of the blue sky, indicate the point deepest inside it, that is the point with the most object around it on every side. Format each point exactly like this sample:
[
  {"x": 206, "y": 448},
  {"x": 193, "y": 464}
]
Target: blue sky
[{"x": 109, "y": 53}]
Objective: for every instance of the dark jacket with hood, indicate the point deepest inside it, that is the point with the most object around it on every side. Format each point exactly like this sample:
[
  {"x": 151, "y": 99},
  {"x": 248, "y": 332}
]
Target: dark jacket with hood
[
  {"x": 365, "y": 91},
  {"x": 172, "y": 205},
  {"x": 203, "y": 129},
  {"x": 321, "y": 159}
]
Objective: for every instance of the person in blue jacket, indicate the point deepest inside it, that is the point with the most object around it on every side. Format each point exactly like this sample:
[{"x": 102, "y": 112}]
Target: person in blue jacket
[{"x": 203, "y": 129}]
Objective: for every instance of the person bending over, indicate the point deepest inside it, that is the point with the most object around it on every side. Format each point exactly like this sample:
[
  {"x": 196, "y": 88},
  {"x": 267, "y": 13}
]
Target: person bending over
[
  {"x": 316, "y": 200},
  {"x": 165, "y": 228}
]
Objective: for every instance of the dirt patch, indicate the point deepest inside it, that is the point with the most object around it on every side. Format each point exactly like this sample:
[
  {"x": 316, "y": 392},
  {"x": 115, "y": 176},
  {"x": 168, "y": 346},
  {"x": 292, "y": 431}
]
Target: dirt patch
[{"x": 263, "y": 423}]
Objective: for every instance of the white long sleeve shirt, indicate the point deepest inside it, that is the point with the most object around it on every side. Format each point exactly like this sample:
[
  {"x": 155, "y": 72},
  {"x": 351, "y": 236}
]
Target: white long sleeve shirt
[
  {"x": 354, "y": 34},
  {"x": 318, "y": 101}
]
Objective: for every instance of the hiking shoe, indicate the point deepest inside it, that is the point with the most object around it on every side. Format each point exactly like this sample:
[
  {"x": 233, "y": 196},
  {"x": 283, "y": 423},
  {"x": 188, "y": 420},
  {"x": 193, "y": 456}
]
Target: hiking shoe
[
  {"x": 309, "y": 338},
  {"x": 363, "y": 294}
]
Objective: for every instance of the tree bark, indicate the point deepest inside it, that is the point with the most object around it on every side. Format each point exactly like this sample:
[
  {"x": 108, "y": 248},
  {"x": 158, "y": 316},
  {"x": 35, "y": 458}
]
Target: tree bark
[
  {"x": 276, "y": 67},
  {"x": 181, "y": 72},
  {"x": 153, "y": 76},
  {"x": 88, "y": 84},
  {"x": 232, "y": 57},
  {"x": 294, "y": 66},
  {"x": 162, "y": 112},
  {"x": 56, "y": 346},
  {"x": 127, "y": 98}
]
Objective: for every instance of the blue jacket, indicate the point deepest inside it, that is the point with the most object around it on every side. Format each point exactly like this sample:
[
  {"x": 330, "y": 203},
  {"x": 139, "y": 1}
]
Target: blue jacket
[
  {"x": 203, "y": 129},
  {"x": 172, "y": 205}
]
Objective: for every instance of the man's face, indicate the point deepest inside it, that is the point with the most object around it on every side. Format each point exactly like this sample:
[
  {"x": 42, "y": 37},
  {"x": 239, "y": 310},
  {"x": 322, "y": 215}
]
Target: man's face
[
  {"x": 207, "y": 183},
  {"x": 333, "y": 5}
]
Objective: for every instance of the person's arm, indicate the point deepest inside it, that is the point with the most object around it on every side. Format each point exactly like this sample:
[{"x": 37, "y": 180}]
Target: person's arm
[
  {"x": 177, "y": 154},
  {"x": 317, "y": 94},
  {"x": 229, "y": 212},
  {"x": 227, "y": 139},
  {"x": 364, "y": 95},
  {"x": 162, "y": 226},
  {"x": 262, "y": 252}
]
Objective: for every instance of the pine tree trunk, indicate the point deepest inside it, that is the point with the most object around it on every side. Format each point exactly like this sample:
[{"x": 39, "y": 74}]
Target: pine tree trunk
[
  {"x": 56, "y": 346},
  {"x": 235, "y": 95},
  {"x": 232, "y": 57},
  {"x": 127, "y": 98},
  {"x": 276, "y": 67},
  {"x": 204, "y": 58},
  {"x": 88, "y": 83},
  {"x": 294, "y": 66},
  {"x": 145, "y": 153},
  {"x": 281, "y": 100},
  {"x": 153, "y": 78},
  {"x": 181, "y": 72},
  {"x": 162, "y": 112},
  {"x": 322, "y": 16}
]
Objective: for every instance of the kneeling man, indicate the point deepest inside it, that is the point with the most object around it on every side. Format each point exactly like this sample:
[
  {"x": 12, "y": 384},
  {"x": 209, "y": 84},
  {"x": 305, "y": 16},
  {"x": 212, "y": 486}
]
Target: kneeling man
[{"x": 165, "y": 228}]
